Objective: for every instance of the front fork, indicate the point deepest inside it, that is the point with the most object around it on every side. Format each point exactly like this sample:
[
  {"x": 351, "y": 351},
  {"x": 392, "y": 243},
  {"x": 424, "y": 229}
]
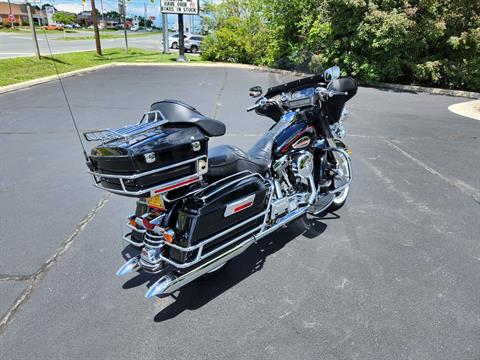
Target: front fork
[{"x": 328, "y": 155}]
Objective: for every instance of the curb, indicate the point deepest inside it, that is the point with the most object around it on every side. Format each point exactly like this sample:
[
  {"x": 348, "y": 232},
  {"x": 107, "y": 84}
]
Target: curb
[
  {"x": 398, "y": 87},
  {"x": 29, "y": 83},
  {"x": 422, "y": 89}
]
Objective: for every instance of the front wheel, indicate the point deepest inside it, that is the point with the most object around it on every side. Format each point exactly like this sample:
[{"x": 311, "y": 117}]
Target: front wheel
[{"x": 343, "y": 170}]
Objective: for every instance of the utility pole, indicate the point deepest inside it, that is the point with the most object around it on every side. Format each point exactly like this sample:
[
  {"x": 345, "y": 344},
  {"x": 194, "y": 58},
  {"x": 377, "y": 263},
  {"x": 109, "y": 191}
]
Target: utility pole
[
  {"x": 144, "y": 15},
  {"x": 34, "y": 33},
  {"x": 103, "y": 17},
  {"x": 95, "y": 28},
  {"x": 123, "y": 11},
  {"x": 181, "y": 40},
  {"x": 166, "y": 49}
]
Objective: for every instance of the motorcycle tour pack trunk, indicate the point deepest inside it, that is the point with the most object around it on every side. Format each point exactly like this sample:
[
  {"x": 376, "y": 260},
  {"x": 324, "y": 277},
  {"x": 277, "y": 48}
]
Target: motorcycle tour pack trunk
[
  {"x": 218, "y": 209},
  {"x": 144, "y": 154}
]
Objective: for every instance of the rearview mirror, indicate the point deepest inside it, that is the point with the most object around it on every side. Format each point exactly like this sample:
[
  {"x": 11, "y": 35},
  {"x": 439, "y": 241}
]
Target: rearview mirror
[
  {"x": 331, "y": 73},
  {"x": 255, "y": 91}
]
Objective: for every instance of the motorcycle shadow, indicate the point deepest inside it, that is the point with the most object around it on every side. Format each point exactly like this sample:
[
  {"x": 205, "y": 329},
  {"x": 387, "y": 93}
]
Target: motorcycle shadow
[{"x": 198, "y": 293}]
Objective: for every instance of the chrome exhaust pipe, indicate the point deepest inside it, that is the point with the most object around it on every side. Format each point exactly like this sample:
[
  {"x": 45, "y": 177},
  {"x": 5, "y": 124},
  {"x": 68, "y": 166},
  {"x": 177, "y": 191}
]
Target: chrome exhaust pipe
[
  {"x": 130, "y": 266},
  {"x": 170, "y": 282}
]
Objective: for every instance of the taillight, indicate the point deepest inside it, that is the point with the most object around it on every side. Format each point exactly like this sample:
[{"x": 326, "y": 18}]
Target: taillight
[{"x": 169, "y": 235}]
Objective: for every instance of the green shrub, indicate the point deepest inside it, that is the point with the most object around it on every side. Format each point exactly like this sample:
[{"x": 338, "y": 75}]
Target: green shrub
[{"x": 430, "y": 42}]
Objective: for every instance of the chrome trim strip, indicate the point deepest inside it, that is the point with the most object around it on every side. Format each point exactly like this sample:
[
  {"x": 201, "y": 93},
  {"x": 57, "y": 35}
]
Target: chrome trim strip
[
  {"x": 202, "y": 243},
  {"x": 146, "y": 173},
  {"x": 221, "y": 188}
]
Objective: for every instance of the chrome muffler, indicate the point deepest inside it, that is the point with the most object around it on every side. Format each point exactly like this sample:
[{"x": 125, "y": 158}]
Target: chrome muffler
[{"x": 130, "y": 266}]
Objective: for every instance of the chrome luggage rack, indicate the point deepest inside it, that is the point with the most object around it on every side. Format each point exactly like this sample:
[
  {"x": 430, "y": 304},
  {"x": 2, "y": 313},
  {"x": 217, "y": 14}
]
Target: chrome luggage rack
[
  {"x": 156, "y": 189},
  {"x": 150, "y": 121}
]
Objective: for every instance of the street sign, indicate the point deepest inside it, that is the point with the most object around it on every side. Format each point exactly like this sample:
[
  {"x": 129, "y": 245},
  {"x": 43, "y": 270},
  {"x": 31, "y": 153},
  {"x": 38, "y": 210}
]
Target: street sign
[
  {"x": 50, "y": 11},
  {"x": 187, "y": 7},
  {"x": 153, "y": 18},
  {"x": 11, "y": 18}
]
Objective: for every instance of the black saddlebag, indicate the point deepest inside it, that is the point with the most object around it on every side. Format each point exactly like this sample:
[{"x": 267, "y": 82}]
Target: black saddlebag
[
  {"x": 220, "y": 213},
  {"x": 151, "y": 162}
]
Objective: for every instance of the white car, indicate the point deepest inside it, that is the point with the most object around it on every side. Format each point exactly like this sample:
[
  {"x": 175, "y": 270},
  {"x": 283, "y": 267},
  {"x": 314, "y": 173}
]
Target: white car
[
  {"x": 135, "y": 28},
  {"x": 191, "y": 42},
  {"x": 173, "y": 40}
]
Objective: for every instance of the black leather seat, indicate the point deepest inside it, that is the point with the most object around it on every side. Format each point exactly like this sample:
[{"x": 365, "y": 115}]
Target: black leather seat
[
  {"x": 226, "y": 160},
  {"x": 179, "y": 113}
]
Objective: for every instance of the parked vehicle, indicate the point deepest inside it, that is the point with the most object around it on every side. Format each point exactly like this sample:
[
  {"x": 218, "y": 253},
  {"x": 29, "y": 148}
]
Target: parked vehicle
[
  {"x": 135, "y": 28},
  {"x": 193, "y": 42},
  {"x": 197, "y": 207},
  {"x": 173, "y": 40},
  {"x": 148, "y": 29},
  {"x": 54, "y": 27}
]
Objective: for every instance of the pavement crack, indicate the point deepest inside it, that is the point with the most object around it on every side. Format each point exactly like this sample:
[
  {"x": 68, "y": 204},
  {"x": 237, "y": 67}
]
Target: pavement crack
[
  {"x": 459, "y": 184},
  {"x": 218, "y": 104},
  {"x": 37, "y": 277},
  {"x": 11, "y": 277}
]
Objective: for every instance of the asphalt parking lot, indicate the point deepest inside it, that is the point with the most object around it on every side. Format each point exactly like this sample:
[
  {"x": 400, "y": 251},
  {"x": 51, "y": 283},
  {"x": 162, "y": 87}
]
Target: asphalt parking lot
[{"x": 395, "y": 274}]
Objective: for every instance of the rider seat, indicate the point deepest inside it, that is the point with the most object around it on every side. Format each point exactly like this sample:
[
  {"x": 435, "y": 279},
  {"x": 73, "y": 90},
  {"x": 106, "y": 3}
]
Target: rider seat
[{"x": 225, "y": 160}]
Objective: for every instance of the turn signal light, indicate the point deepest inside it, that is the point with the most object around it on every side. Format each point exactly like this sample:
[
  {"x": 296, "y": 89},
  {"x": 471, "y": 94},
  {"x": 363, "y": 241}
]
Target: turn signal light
[{"x": 169, "y": 235}]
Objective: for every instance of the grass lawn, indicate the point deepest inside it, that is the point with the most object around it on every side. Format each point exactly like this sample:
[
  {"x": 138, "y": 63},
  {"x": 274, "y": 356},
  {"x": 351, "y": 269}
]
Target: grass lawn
[
  {"x": 39, "y": 31},
  {"x": 108, "y": 36},
  {"x": 20, "y": 69}
]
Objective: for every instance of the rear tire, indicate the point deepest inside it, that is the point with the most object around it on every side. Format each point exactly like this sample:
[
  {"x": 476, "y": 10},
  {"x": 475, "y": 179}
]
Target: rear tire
[
  {"x": 174, "y": 45},
  {"x": 193, "y": 49}
]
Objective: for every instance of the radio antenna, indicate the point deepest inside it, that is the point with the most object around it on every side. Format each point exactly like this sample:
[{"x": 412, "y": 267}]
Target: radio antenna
[{"x": 65, "y": 95}]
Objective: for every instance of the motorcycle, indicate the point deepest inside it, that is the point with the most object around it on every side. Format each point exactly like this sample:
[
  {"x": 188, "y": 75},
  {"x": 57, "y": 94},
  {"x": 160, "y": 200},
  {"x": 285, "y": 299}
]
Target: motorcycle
[{"x": 198, "y": 208}]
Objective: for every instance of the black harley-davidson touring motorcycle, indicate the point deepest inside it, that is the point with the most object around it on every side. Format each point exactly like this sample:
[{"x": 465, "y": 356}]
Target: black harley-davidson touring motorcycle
[{"x": 197, "y": 208}]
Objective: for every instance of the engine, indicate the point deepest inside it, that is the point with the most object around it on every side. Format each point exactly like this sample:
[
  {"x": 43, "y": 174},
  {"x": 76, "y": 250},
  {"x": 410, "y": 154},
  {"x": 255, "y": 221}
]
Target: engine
[{"x": 292, "y": 175}]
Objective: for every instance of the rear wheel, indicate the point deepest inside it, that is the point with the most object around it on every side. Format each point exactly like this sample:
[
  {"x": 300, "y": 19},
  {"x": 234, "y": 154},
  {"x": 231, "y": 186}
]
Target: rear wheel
[
  {"x": 174, "y": 45},
  {"x": 194, "y": 49}
]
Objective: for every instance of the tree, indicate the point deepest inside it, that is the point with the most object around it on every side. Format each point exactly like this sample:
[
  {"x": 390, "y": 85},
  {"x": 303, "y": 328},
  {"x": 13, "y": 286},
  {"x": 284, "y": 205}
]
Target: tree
[
  {"x": 112, "y": 15},
  {"x": 64, "y": 18}
]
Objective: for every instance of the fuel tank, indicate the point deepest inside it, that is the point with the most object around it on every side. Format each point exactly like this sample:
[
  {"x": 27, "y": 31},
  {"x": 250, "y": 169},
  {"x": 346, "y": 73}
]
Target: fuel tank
[{"x": 297, "y": 136}]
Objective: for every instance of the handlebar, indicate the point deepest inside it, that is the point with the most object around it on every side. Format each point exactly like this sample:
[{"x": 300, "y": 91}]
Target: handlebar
[
  {"x": 322, "y": 93},
  {"x": 325, "y": 93},
  {"x": 261, "y": 103}
]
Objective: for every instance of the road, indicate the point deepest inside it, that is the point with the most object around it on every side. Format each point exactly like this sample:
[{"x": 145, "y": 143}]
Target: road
[
  {"x": 20, "y": 44},
  {"x": 395, "y": 274}
]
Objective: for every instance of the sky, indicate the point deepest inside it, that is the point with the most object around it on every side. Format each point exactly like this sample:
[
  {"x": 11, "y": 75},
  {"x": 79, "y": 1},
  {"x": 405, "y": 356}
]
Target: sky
[{"x": 134, "y": 7}]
